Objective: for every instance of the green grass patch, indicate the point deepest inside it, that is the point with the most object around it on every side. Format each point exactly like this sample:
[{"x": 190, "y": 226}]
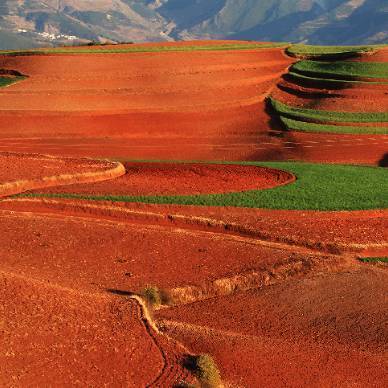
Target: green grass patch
[
  {"x": 145, "y": 49},
  {"x": 6, "y": 81},
  {"x": 318, "y": 187},
  {"x": 373, "y": 260},
  {"x": 306, "y": 114},
  {"x": 331, "y": 82},
  {"x": 303, "y": 126},
  {"x": 302, "y": 50},
  {"x": 342, "y": 69}
]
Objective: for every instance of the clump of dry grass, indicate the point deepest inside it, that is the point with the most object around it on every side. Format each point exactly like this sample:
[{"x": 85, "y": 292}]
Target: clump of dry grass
[
  {"x": 155, "y": 297},
  {"x": 205, "y": 369}
]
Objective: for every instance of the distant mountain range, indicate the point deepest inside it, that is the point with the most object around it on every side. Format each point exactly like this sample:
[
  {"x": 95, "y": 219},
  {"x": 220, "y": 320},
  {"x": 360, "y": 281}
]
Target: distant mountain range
[{"x": 30, "y": 23}]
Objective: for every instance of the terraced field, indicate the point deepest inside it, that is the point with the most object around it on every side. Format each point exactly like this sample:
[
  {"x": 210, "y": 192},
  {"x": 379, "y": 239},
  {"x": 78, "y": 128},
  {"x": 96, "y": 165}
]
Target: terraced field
[
  {"x": 237, "y": 190},
  {"x": 335, "y": 96}
]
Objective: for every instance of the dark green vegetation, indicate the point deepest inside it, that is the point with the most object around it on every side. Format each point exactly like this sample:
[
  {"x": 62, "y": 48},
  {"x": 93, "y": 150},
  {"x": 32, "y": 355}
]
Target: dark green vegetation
[
  {"x": 145, "y": 49},
  {"x": 342, "y": 70},
  {"x": 6, "y": 81},
  {"x": 373, "y": 260},
  {"x": 306, "y": 114},
  {"x": 296, "y": 125},
  {"x": 320, "y": 82},
  {"x": 307, "y": 51},
  {"x": 318, "y": 187}
]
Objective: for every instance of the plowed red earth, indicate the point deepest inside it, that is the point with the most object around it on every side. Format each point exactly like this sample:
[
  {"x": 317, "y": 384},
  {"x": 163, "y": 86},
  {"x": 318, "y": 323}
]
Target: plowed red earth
[
  {"x": 199, "y": 105},
  {"x": 14, "y": 166},
  {"x": 22, "y": 172},
  {"x": 364, "y": 101},
  {"x": 377, "y": 56},
  {"x": 320, "y": 331},
  {"x": 281, "y": 298},
  {"x": 327, "y": 231},
  {"x": 184, "y": 179},
  {"x": 54, "y": 334},
  {"x": 126, "y": 256}
]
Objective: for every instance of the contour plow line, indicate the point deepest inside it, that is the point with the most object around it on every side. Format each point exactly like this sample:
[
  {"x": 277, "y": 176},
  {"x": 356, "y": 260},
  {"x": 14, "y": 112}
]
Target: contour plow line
[
  {"x": 106, "y": 170},
  {"x": 184, "y": 222},
  {"x": 293, "y": 268}
]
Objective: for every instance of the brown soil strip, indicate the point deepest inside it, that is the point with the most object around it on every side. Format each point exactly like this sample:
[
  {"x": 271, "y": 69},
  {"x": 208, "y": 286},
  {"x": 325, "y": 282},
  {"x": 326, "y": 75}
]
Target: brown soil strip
[
  {"x": 313, "y": 230},
  {"x": 23, "y": 172},
  {"x": 57, "y": 334},
  {"x": 183, "y": 179}
]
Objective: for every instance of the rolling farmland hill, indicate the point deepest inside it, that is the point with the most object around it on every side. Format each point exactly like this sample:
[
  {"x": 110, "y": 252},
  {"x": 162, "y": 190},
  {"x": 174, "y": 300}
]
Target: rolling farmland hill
[{"x": 201, "y": 213}]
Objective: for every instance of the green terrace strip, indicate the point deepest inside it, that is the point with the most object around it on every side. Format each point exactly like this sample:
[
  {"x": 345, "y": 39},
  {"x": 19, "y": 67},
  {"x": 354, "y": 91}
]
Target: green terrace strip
[
  {"x": 373, "y": 259},
  {"x": 144, "y": 49},
  {"x": 318, "y": 187},
  {"x": 6, "y": 81},
  {"x": 340, "y": 83},
  {"x": 304, "y": 126},
  {"x": 306, "y": 114},
  {"x": 301, "y": 50},
  {"x": 342, "y": 70}
]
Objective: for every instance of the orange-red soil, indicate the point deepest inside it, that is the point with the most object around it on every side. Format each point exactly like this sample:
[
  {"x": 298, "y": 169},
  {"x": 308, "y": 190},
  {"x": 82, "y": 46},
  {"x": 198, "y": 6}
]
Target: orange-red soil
[
  {"x": 55, "y": 335},
  {"x": 327, "y": 330},
  {"x": 280, "y": 297},
  {"x": 183, "y": 179},
  {"x": 128, "y": 255},
  {"x": 22, "y": 172},
  {"x": 354, "y": 101},
  {"x": 346, "y": 231},
  {"x": 171, "y": 105}
]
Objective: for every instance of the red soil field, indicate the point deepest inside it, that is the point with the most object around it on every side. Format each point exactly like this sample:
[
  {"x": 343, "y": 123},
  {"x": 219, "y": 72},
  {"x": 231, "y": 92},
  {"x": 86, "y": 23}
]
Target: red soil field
[
  {"x": 325, "y": 231},
  {"x": 277, "y": 297},
  {"x": 56, "y": 334},
  {"x": 183, "y": 179},
  {"x": 360, "y": 101},
  {"x": 380, "y": 55},
  {"x": 127, "y": 255},
  {"x": 316, "y": 331},
  {"x": 22, "y": 172},
  {"x": 163, "y": 105}
]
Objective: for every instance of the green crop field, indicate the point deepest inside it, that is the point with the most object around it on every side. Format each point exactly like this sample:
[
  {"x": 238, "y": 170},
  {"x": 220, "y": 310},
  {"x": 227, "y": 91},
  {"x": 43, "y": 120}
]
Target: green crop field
[
  {"x": 373, "y": 260},
  {"x": 318, "y": 187},
  {"x": 342, "y": 69},
  {"x": 144, "y": 49},
  {"x": 6, "y": 81},
  {"x": 302, "y": 50},
  {"x": 304, "y": 126},
  {"x": 334, "y": 83},
  {"x": 325, "y": 116}
]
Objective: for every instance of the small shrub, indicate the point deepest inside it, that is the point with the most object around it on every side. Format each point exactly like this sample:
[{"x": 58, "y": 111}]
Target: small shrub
[
  {"x": 205, "y": 368},
  {"x": 152, "y": 295},
  {"x": 156, "y": 296}
]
